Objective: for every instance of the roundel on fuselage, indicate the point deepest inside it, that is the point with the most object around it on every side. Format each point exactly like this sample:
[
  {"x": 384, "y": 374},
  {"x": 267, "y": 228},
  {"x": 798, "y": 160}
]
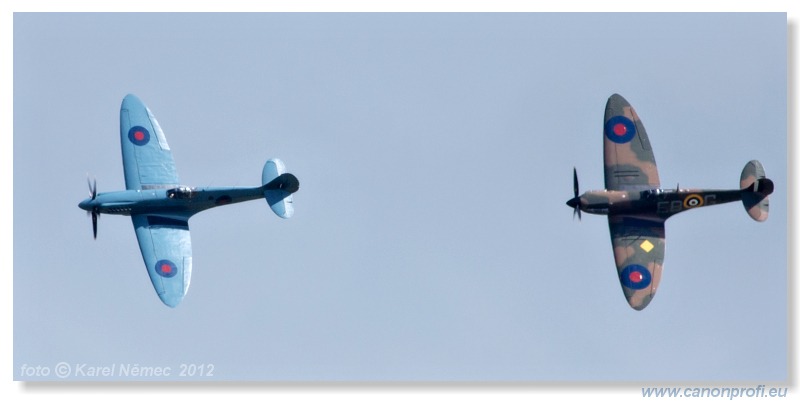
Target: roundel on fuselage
[{"x": 692, "y": 201}]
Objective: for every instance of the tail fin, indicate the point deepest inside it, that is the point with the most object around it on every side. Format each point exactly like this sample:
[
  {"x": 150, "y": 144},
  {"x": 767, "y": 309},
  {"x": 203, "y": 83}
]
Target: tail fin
[
  {"x": 278, "y": 187},
  {"x": 756, "y": 188}
]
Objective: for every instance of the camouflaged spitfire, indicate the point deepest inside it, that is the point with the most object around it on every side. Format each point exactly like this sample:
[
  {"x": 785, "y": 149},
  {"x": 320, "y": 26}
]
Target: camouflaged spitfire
[{"x": 637, "y": 207}]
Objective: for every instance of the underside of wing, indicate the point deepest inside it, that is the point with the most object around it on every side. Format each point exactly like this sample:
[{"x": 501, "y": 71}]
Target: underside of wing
[
  {"x": 639, "y": 245},
  {"x": 167, "y": 251},
  {"x": 146, "y": 157},
  {"x": 627, "y": 154}
]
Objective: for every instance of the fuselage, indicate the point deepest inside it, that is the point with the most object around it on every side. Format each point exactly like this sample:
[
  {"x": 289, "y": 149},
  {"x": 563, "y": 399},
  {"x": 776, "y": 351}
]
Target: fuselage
[
  {"x": 181, "y": 201},
  {"x": 661, "y": 203}
]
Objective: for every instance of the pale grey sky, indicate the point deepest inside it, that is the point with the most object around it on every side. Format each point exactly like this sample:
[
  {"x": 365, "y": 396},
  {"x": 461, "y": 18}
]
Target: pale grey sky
[{"x": 430, "y": 240}]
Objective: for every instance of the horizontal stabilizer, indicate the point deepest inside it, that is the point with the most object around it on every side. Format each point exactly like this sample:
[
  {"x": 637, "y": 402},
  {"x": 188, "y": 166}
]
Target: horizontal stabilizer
[
  {"x": 278, "y": 187},
  {"x": 756, "y": 188}
]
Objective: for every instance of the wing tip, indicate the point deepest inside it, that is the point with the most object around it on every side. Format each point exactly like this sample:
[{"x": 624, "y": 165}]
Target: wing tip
[
  {"x": 170, "y": 300},
  {"x": 131, "y": 101},
  {"x": 615, "y": 103},
  {"x": 640, "y": 304}
]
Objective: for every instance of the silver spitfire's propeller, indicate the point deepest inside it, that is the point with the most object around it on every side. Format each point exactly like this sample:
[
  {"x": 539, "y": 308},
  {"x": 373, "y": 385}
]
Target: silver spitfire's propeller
[
  {"x": 575, "y": 202},
  {"x": 95, "y": 210}
]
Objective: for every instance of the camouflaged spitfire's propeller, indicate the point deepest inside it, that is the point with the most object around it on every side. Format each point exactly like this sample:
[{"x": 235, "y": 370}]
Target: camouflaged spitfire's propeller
[
  {"x": 575, "y": 202},
  {"x": 95, "y": 210}
]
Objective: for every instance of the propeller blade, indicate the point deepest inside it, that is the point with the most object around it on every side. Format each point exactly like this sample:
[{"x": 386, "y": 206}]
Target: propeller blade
[
  {"x": 92, "y": 187},
  {"x": 577, "y": 210},
  {"x": 95, "y": 212},
  {"x": 576, "y": 201},
  {"x": 575, "y": 181},
  {"x": 94, "y": 224}
]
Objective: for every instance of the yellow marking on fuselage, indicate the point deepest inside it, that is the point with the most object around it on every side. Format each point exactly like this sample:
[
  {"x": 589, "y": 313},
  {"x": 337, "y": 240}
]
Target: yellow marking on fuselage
[{"x": 647, "y": 246}]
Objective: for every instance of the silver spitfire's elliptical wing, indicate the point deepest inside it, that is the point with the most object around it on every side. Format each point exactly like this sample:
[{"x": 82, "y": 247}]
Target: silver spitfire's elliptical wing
[
  {"x": 149, "y": 168},
  {"x": 146, "y": 157}
]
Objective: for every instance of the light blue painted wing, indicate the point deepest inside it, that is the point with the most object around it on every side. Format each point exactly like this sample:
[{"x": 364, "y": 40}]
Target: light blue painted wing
[
  {"x": 167, "y": 251},
  {"x": 146, "y": 157}
]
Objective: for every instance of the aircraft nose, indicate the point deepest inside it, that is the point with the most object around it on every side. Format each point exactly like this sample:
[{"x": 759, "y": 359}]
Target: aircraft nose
[
  {"x": 85, "y": 205},
  {"x": 572, "y": 202}
]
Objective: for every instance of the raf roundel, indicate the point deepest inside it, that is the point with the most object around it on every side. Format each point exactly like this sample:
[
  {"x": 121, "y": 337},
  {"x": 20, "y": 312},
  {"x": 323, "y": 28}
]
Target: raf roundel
[
  {"x": 693, "y": 200},
  {"x": 166, "y": 268},
  {"x": 620, "y": 129},
  {"x": 635, "y": 276},
  {"x": 138, "y": 135}
]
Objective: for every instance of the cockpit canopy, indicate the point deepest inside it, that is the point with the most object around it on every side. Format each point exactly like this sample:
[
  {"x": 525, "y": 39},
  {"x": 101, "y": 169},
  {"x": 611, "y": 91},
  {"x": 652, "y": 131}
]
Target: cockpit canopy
[
  {"x": 652, "y": 193},
  {"x": 181, "y": 192}
]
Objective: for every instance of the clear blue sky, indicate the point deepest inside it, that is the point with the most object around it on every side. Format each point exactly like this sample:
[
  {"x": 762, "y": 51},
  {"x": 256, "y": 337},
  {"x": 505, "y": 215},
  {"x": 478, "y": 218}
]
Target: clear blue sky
[{"x": 430, "y": 240}]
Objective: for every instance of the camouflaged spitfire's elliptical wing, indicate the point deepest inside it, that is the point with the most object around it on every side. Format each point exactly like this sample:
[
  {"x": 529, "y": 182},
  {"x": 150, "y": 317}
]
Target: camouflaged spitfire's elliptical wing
[
  {"x": 627, "y": 155},
  {"x": 638, "y": 243},
  {"x": 639, "y": 255}
]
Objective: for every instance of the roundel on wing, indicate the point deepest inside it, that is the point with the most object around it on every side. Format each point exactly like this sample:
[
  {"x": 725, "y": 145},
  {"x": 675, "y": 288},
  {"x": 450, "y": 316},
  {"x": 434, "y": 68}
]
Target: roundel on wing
[
  {"x": 635, "y": 276},
  {"x": 165, "y": 268},
  {"x": 692, "y": 201},
  {"x": 620, "y": 129},
  {"x": 138, "y": 135}
]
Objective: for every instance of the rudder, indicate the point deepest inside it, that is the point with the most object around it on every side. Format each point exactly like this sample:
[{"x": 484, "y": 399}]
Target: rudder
[
  {"x": 756, "y": 188},
  {"x": 278, "y": 187}
]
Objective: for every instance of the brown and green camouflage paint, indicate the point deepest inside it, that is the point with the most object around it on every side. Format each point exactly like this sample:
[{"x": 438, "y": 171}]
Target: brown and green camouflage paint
[{"x": 637, "y": 207}]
